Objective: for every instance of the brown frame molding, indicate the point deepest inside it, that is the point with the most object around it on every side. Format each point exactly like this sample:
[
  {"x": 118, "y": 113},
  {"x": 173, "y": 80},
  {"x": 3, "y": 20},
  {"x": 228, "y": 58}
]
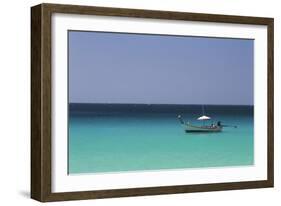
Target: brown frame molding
[{"x": 41, "y": 101}]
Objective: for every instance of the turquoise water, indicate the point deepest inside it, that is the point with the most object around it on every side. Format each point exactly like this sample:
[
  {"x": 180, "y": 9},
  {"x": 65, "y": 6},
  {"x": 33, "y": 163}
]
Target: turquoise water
[{"x": 114, "y": 138}]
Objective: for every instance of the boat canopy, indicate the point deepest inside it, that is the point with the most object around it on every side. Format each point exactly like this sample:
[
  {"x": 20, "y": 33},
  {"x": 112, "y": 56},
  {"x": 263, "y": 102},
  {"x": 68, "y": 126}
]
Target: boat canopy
[{"x": 204, "y": 118}]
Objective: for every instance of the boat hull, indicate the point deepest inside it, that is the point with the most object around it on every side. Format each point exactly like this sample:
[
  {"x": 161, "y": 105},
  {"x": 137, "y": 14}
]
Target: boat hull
[{"x": 191, "y": 128}]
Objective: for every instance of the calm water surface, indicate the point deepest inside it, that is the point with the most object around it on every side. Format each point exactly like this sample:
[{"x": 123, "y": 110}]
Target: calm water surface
[{"x": 114, "y": 138}]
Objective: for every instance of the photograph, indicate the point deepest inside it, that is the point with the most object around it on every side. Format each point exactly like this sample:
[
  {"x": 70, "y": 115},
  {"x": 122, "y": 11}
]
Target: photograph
[
  {"x": 132, "y": 102},
  {"x": 151, "y": 102}
]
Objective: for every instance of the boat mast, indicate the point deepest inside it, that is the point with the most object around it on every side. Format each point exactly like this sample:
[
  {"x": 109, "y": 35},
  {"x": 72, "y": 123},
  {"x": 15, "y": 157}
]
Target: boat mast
[{"x": 203, "y": 113}]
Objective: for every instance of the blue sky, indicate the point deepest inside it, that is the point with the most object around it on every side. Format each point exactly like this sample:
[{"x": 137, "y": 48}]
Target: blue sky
[{"x": 159, "y": 69}]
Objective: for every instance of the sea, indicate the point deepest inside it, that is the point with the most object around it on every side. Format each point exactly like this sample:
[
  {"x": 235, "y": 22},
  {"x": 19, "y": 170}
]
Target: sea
[{"x": 106, "y": 138}]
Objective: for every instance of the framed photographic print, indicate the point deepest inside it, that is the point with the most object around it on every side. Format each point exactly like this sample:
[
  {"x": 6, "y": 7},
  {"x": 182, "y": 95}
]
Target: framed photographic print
[{"x": 130, "y": 102}]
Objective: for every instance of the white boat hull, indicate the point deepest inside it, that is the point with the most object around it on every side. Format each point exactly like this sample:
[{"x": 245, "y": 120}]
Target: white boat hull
[{"x": 192, "y": 128}]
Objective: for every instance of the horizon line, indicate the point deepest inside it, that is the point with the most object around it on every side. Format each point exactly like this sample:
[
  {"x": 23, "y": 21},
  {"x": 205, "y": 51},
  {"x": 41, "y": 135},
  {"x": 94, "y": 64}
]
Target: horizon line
[{"x": 164, "y": 104}]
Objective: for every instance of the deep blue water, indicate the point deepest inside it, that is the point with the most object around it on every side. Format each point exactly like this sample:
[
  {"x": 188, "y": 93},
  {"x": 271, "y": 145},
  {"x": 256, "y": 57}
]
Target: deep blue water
[{"x": 127, "y": 137}]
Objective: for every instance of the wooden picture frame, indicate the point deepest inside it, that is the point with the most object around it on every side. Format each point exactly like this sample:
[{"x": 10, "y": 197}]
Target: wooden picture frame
[{"x": 41, "y": 94}]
